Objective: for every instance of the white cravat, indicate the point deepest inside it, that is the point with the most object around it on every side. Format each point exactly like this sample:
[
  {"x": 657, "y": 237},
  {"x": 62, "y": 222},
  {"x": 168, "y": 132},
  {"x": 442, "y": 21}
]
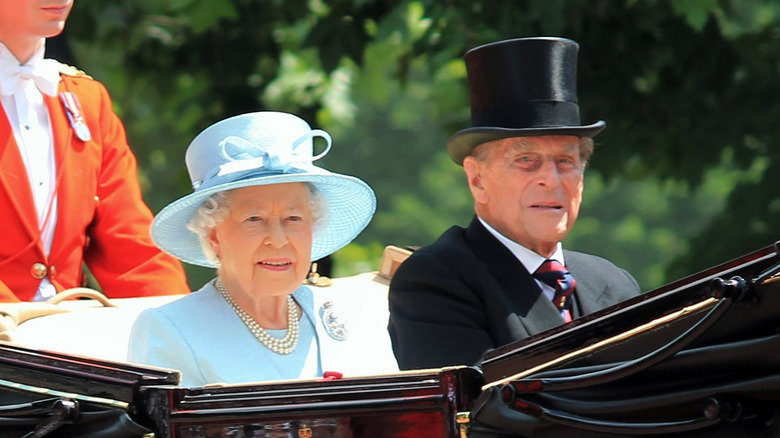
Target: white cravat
[
  {"x": 21, "y": 89},
  {"x": 43, "y": 72}
]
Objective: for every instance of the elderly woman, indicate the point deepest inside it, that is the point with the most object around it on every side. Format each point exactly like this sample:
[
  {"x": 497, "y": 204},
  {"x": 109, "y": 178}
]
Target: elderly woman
[{"x": 260, "y": 213}]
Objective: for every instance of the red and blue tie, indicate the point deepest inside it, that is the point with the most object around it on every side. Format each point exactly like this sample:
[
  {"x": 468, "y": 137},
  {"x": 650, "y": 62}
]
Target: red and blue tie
[{"x": 555, "y": 275}]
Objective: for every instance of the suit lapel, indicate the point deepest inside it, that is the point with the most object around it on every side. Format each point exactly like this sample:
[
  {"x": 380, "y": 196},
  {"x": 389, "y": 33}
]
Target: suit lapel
[
  {"x": 592, "y": 291},
  {"x": 532, "y": 308},
  {"x": 62, "y": 135},
  {"x": 14, "y": 180}
]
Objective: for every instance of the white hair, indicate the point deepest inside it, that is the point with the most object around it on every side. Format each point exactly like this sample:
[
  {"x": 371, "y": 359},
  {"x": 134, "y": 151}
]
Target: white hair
[{"x": 216, "y": 208}]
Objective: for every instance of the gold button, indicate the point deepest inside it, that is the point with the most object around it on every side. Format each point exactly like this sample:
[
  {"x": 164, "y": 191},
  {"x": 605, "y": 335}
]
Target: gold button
[
  {"x": 52, "y": 272},
  {"x": 38, "y": 270}
]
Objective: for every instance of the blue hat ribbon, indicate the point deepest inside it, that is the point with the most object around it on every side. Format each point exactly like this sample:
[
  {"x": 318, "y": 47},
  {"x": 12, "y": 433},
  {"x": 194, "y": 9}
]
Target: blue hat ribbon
[{"x": 241, "y": 157}]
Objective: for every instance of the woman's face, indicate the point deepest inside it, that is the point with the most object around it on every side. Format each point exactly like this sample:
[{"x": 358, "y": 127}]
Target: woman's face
[{"x": 264, "y": 244}]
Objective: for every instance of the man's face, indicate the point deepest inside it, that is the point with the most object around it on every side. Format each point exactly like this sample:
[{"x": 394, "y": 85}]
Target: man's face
[
  {"x": 28, "y": 20},
  {"x": 528, "y": 188}
]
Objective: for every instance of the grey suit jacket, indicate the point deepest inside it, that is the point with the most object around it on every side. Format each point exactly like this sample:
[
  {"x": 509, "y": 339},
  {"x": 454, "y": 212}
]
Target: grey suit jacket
[{"x": 466, "y": 293}]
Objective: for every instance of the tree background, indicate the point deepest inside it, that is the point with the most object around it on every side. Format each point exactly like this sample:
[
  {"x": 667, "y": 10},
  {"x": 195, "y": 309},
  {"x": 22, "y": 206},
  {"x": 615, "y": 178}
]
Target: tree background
[{"x": 685, "y": 176}]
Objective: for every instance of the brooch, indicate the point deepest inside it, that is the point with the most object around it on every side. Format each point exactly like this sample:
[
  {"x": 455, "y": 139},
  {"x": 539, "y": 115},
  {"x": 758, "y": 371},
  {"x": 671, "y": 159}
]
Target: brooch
[{"x": 334, "y": 326}]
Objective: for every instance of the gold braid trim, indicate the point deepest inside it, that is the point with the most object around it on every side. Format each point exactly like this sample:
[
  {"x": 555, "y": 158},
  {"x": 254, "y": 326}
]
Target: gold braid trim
[{"x": 72, "y": 71}]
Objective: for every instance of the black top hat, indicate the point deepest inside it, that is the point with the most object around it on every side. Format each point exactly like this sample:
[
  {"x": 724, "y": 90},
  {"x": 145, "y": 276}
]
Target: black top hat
[{"x": 518, "y": 88}]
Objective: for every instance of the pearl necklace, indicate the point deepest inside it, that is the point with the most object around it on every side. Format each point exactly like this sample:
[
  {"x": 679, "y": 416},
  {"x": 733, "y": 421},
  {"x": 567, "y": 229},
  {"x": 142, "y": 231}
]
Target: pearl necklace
[{"x": 285, "y": 345}]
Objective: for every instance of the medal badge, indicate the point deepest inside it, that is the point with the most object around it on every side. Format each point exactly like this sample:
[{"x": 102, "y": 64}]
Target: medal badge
[{"x": 73, "y": 108}]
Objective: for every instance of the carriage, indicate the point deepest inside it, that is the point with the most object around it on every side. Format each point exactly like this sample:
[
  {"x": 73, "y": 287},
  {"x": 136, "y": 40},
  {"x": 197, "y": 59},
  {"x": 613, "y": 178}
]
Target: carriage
[{"x": 697, "y": 357}]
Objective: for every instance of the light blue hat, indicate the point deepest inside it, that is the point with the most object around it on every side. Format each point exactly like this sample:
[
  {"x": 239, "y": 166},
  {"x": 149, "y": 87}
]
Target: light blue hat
[{"x": 259, "y": 149}]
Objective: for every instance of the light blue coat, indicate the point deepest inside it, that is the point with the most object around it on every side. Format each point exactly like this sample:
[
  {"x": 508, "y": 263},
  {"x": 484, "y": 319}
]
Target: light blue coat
[{"x": 201, "y": 336}]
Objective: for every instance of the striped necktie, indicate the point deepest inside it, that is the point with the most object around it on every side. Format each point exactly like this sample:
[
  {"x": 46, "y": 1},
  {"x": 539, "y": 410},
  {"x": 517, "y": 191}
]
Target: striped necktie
[{"x": 555, "y": 275}]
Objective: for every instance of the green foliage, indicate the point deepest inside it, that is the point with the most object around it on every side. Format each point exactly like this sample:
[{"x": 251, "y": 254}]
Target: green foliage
[
  {"x": 356, "y": 258},
  {"x": 650, "y": 222},
  {"x": 685, "y": 176}
]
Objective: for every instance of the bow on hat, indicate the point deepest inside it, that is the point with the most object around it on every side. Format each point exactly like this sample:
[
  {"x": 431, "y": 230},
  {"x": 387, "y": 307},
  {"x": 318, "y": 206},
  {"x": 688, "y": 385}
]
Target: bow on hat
[
  {"x": 241, "y": 158},
  {"x": 45, "y": 73}
]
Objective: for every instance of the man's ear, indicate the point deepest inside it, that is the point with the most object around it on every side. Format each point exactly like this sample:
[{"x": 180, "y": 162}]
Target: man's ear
[{"x": 474, "y": 170}]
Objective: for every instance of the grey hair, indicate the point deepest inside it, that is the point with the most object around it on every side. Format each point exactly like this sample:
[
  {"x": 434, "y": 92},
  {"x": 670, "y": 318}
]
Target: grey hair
[
  {"x": 216, "y": 208},
  {"x": 586, "y": 150}
]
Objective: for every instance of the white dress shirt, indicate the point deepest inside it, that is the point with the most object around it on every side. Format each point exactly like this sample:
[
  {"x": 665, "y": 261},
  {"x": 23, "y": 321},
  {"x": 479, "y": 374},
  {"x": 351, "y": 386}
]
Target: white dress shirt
[{"x": 528, "y": 258}]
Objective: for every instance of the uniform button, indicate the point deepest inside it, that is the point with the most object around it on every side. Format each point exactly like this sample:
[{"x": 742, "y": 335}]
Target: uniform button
[
  {"x": 52, "y": 272},
  {"x": 38, "y": 270}
]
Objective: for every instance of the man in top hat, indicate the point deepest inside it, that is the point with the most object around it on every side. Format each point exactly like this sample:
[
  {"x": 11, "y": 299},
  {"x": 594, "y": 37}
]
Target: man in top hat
[
  {"x": 69, "y": 187},
  {"x": 506, "y": 277}
]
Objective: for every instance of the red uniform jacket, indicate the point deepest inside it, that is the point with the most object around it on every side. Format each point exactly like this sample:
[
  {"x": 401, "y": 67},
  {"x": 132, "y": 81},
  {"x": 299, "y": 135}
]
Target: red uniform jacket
[{"x": 102, "y": 219}]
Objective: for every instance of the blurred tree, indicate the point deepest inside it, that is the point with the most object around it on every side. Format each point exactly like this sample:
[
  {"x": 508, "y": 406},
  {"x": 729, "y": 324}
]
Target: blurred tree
[{"x": 684, "y": 177}]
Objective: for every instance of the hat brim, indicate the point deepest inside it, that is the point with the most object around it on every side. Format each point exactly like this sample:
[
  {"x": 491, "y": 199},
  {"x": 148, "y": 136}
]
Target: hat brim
[
  {"x": 462, "y": 143},
  {"x": 350, "y": 205}
]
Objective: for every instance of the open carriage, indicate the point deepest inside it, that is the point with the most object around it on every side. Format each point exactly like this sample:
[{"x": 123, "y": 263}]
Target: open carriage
[{"x": 698, "y": 357}]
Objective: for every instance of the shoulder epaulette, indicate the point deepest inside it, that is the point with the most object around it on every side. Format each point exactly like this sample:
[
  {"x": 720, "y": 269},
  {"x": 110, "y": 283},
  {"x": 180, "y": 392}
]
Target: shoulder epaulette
[{"x": 72, "y": 71}]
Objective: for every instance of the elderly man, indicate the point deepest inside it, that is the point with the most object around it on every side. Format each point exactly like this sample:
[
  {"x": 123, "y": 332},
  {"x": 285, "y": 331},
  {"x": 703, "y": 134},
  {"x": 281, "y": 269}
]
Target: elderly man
[{"x": 506, "y": 277}]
